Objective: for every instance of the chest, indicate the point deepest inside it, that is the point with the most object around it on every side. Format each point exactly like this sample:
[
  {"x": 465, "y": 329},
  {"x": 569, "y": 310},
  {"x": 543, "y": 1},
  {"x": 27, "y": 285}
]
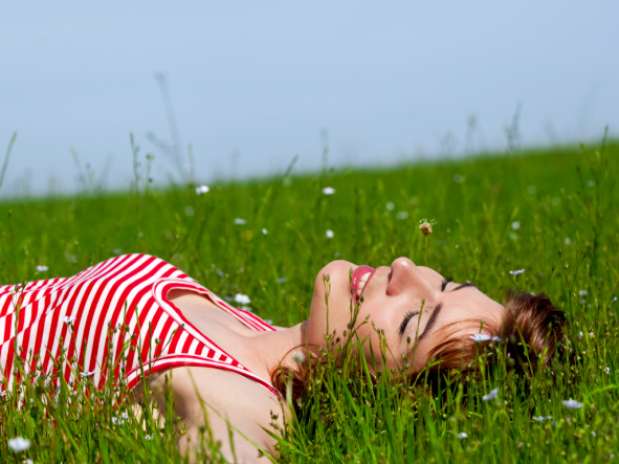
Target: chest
[{"x": 223, "y": 329}]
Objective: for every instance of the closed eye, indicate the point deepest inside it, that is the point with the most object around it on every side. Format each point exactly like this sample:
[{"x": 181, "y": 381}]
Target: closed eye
[{"x": 407, "y": 318}]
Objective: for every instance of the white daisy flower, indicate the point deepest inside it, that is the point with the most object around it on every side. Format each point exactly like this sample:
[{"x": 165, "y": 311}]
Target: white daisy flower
[
  {"x": 329, "y": 234},
  {"x": 202, "y": 189},
  {"x": 462, "y": 435},
  {"x": 516, "y": 225},
  {"x": 390, "y": 206},
  {"x": 242, "y": 299},
  {"x": 240, "y": 221},
  {"x": 19, "y": 444},
  {"x": 541, "y": 418},
  {"x": 117, "y": 420},
  {"x": 264, "y": 231},
  {"x": 483, "y": 337},
  {"x": 298, "y": 357},
  {"x": 328, "y": 191},
  {"x": 516, "y": 272},
  {"x": 572, "y": 404},
  {"x": 490, "y": 396},
  {"x": 42, "y": 268}
]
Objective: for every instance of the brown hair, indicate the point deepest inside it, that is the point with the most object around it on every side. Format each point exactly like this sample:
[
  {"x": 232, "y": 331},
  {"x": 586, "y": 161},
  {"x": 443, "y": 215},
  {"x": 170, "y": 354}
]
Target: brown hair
[{"x": 530, "y": 335}]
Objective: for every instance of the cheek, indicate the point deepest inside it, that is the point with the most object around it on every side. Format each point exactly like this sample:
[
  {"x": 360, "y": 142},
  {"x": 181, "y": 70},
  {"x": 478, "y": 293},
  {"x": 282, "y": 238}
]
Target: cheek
[{"x": 377, "y": 328}]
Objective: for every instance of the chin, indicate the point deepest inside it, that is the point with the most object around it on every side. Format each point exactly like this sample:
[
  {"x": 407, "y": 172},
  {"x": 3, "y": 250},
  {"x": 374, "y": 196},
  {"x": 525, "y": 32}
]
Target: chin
[{"x": 331, "y": 299}]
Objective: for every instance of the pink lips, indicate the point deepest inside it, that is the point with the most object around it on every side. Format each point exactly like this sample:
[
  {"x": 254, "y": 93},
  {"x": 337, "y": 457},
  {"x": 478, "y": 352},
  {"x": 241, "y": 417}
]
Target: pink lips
[{"x": 357, "y": 275}]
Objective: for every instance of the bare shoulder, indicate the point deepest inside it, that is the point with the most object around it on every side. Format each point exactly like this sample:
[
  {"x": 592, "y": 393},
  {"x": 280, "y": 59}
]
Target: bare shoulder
[{"x": 236, "y": 409}]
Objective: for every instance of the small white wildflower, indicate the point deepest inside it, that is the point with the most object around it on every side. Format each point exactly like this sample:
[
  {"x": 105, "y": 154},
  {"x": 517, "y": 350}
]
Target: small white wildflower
[
  {"x": 148, "y": 436},
  {"x": 42, "y": 268},
  {"x": 19, "y": 444},
  {"x": 591, "y": 334},
  {"x": 117, "y": 420},
  {"x": 189, "y": 211},
  {"x": 402, "y": 215},
  {"x": 462, "y": 435},
  {"x": 390, "y": 206},
  {"x": 202, "y": 189},
  {"x": 483, "y": 337},
  {"x": 541, "y": 418},
  {"x": 572, "y": 404},
  {"x": 86, "y": 374},
  {"x": 607, "y": 370},
  {"x": 28, "y": 461},
  {"x": 516, "y": 225},
  {"x": 581, "y": 334},
  {"x": 594, "y": 434},
  {"x": 298, "y": 357},
  {"x": 582, "y": 293},
  {"x": 490, "y": 396},
  {"x": 516, "y": 272},
  {"x": 264, "y": 231},
  {"x": 567, "y": 241},
  {"x": 328, "y": 191},
  {"x": 329, "y": 234},
  {"x": 242, "y": 299},
  {"x": 614, "y": 299},
  {"x": 240, "y": 221}
]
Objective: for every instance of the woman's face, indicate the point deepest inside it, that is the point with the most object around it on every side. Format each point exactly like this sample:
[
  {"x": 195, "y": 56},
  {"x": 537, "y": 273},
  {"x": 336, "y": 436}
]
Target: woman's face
[{"x": 402, "y": 309}]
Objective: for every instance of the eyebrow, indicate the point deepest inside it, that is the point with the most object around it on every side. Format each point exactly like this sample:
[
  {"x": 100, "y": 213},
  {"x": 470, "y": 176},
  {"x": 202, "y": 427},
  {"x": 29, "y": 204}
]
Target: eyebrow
[{"x": 431, "y": 321}]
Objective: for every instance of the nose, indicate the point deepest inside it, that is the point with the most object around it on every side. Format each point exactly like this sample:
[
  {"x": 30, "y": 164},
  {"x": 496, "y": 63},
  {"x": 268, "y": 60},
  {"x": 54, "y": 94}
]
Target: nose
[{"x": 406, "y": 278}]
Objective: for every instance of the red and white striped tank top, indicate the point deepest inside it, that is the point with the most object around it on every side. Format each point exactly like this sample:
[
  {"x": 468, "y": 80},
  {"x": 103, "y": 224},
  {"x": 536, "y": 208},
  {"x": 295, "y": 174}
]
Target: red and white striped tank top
[{"x": 112, "y": 318}]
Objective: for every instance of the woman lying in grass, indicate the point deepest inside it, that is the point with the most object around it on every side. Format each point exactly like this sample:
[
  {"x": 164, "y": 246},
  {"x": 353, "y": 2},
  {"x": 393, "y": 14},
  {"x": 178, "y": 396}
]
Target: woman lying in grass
[{"x": 135, "y": 318}]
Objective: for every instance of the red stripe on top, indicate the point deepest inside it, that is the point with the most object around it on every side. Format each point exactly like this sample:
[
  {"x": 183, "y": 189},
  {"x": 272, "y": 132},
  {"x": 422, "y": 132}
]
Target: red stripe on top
[{"x": 115, "y": 314}]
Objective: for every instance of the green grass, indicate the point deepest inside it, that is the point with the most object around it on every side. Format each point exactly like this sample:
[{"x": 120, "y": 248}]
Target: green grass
[{"x": 563, "y": 200}]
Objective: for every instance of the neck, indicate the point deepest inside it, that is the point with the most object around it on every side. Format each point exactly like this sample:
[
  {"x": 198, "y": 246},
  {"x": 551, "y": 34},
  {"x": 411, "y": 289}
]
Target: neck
[{"x": 275, "y": 348}]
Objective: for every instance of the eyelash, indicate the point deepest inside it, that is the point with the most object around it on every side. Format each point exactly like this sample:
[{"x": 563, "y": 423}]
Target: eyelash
[
  {"x": 407, "y": 318},
  {"x": 410, "y": 314}
]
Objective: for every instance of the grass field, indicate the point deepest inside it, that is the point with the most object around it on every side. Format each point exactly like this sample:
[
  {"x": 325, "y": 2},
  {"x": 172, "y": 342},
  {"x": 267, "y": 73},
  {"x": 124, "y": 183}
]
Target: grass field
[{"x": 552, "y": 213}]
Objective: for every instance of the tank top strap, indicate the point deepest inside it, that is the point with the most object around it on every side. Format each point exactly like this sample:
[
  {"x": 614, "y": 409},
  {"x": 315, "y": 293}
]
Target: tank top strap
[
  {"x": 247, "y": 318},
  {"x": 218, "y": 358}
]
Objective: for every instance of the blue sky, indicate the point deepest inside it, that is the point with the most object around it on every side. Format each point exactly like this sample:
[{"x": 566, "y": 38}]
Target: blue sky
[{"x": 254, "y": 84}]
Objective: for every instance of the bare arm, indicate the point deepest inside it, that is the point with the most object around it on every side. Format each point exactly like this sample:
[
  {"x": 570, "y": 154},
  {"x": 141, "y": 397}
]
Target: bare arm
[{"x": 237, "y": 412}]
